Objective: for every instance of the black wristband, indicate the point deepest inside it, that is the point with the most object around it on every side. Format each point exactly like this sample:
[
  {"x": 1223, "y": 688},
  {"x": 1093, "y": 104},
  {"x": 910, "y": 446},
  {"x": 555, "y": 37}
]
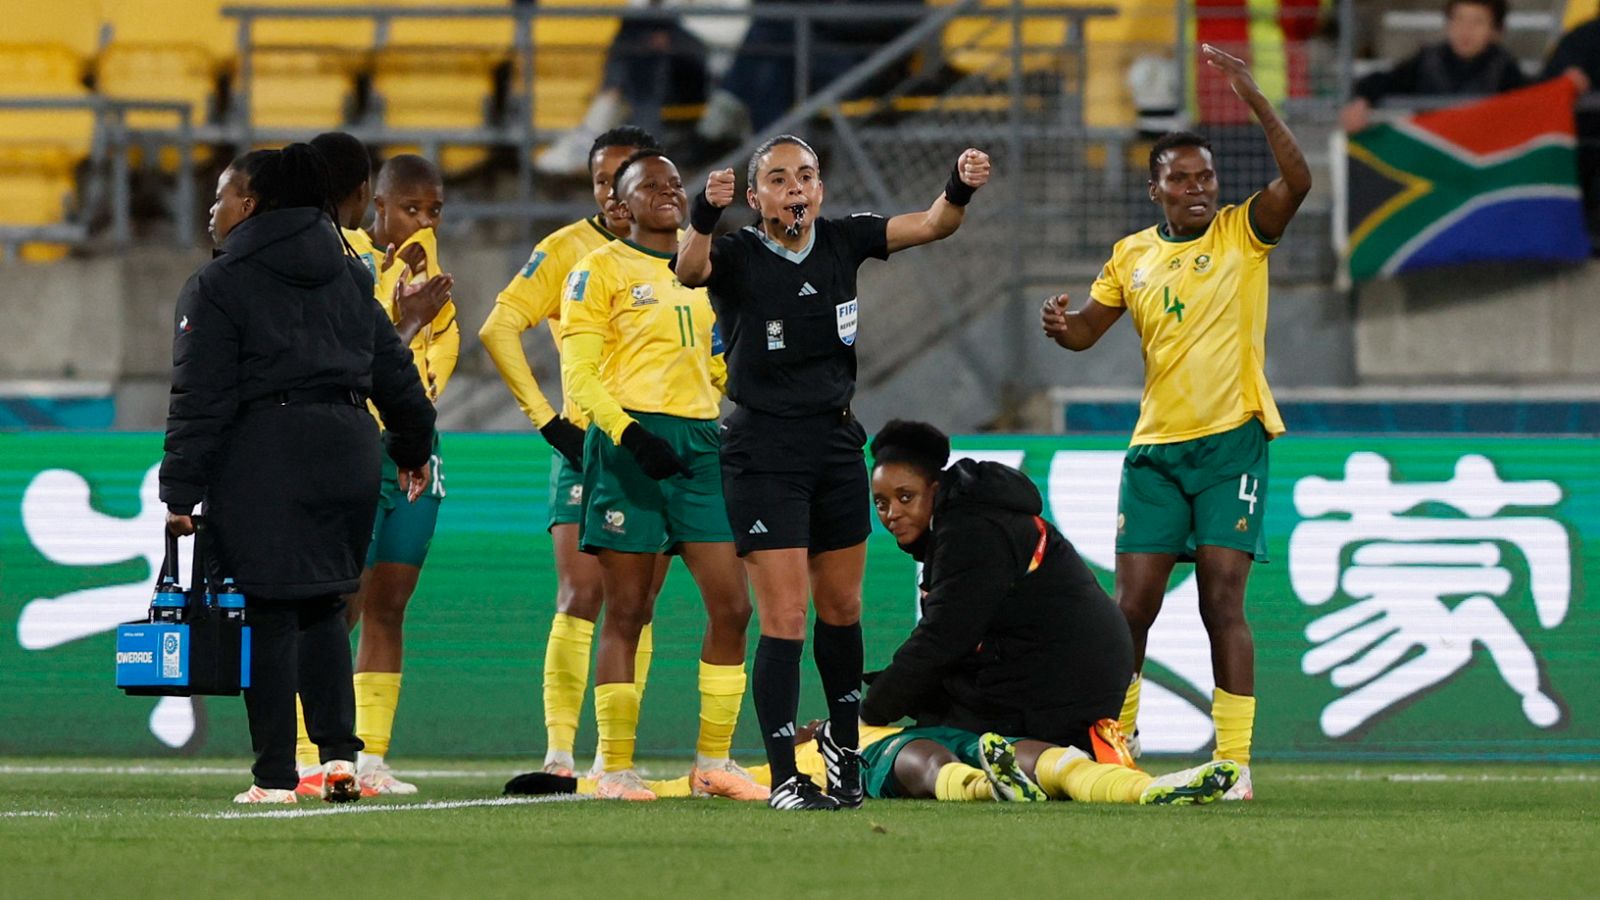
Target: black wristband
[
  {"x": 702, "y": 215},
  {"x": 958, "y": 192}
]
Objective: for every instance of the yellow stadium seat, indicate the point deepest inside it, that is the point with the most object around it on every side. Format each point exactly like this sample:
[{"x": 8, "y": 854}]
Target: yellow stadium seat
[
  {"x": 73, "y": 25},
  {"x": 303, "y": 71},
  {"x": 439, "y": 74},
  {"x": 43, "y": 136},
  {"x": 171, "y": 50},
  {"x": 32, "y": 195},
  {"x": 569, "y": 60}
]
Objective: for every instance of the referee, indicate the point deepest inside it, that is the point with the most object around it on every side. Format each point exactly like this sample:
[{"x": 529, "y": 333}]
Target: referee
[{"x": 793, "y": 473}]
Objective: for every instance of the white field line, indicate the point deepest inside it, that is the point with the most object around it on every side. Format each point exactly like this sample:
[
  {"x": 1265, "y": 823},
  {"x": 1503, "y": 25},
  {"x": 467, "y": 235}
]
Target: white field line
[
  {"x": 27, "y": 814},
  {"x": 1433, "y": 777},
  {"x": 238, "y": 771},
  {"x": 389, "y": 808}
]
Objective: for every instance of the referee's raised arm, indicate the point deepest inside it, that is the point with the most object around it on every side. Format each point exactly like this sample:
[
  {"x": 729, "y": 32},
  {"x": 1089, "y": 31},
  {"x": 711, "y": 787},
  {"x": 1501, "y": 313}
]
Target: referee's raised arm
[
  {"x": 693, "y": 263},
  {"x": 941, "y": 220}
]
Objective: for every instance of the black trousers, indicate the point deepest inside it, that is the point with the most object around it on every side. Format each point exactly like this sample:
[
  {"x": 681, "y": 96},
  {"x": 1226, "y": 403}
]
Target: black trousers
[{"x": 298, "y": 646}]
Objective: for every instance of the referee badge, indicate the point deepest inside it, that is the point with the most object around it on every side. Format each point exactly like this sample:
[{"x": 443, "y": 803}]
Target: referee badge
[
  {"x": 845, "y": 314},
  {"x": 774, "y": 334}
]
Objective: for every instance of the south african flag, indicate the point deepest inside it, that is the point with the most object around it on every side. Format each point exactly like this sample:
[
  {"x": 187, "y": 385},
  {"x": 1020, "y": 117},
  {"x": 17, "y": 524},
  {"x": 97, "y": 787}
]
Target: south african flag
[{"x": 1494, "y": 180}]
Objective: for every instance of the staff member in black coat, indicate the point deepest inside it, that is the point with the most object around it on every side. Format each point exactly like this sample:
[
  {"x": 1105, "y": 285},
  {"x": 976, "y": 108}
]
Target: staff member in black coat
[
  {"x": 1016, "y": 635},
  {"x": 278, "y": 346}
]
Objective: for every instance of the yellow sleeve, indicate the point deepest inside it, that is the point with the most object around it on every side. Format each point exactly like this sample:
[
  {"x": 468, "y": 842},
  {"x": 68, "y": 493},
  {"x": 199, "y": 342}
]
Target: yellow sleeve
[
  {"x": 580, "y": 370},
  {"x": 1107, "y": 289},
  {"x": 719, "y": 374},
  {"x": 501, "y": 336},
  {"x": 1243, "y": 229},
  {"x": 585, "y": 323},
  {"x": 444, "y": 348}
]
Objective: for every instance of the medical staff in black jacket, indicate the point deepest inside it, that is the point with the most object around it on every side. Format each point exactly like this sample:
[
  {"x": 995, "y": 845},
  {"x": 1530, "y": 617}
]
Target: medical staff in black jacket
[
  {"x": 278, "y": 346},
  {"x": 1016, "y": 636}
]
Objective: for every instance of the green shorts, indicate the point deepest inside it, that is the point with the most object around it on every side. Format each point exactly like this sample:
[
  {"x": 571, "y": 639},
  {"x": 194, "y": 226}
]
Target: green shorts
[
  {"x": 628, "y": 511},
  {"x": 566, "y": 493},
  {"x": 1210, "y": 491},
  {"x": 877, "y": 758},
  {"x": 402, "y": 532}
]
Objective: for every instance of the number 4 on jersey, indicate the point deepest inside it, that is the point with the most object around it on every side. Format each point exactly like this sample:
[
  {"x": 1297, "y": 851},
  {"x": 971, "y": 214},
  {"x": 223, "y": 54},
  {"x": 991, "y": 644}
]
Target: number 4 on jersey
[{"x": 1173, "y": 304}]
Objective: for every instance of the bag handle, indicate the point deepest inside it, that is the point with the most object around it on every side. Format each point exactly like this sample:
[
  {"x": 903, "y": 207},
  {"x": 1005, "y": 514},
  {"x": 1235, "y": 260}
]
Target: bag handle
[{"x": 169, "y": 562}]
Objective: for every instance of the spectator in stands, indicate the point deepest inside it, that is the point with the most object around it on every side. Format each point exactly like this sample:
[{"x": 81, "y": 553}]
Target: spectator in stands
[
  {"x": 1577, "y": 56},
  {"x": 759, "y": 87},
  {"x": 652, "y": 63},
  {"x": 1469, "y": 61}
]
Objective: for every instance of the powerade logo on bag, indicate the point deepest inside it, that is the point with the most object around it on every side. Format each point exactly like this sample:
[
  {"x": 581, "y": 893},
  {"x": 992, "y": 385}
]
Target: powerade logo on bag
[{"x": 171, "y": 655}]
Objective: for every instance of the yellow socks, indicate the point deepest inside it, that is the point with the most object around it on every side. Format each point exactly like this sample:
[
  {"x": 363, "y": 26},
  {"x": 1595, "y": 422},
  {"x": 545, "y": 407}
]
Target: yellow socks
[
  {"x": 566, "y": 674},
  {"x": 961, "y": 782},
  {"x": 1235, "y": 718},
  {"x": 377, "y": 695},
  {"x": 616, "y": 713},
  {"x": 1130, "y": 706},
  {"x": 305, "y": 752},
  {"x": 721, "y": 692},
  {"x": 641, "y": 658},
  {"x": 1067, "y": 773}
]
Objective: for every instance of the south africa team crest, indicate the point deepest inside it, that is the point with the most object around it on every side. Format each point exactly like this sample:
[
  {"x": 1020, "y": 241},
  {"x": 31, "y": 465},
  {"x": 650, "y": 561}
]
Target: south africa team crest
[{"x": 845, "y": 316}]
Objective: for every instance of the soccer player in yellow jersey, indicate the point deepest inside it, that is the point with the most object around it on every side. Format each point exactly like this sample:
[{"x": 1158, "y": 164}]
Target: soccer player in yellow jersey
[
  {"x": 640, "y": 356},
  {"x": 533, "y": 297},
  {"x": 1194, "y": 484}
]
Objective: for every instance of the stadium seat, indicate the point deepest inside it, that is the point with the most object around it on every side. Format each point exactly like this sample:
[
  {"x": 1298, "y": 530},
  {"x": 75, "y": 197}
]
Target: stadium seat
[
  {"x": 569, "y": 60},
  {"x": 172, "y": 50},
  {"x": 33, "y": 195},
  {"x": 303, "y": 71},
  {"x": 44, "y": 48},
  {"x": 439, "y": 74}
]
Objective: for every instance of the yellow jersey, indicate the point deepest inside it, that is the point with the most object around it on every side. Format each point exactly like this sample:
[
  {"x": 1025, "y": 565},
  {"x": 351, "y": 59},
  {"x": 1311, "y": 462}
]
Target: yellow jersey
[
  {"x": 534, "y": 296},
  {"x": 1200, "y": 307},
  {"x": 437, "y": 345},
  {"x": 657, "y": 348}
]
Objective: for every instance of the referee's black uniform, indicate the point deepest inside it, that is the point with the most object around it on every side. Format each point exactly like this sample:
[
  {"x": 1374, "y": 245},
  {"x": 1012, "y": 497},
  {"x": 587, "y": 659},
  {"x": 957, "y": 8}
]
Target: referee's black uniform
[{"x": 793, "y": 473}]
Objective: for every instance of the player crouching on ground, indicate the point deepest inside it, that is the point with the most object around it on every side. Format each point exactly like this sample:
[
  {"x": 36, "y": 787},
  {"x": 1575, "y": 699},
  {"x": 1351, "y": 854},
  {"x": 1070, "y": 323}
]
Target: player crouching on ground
[{"x": 1016, "y": 636}]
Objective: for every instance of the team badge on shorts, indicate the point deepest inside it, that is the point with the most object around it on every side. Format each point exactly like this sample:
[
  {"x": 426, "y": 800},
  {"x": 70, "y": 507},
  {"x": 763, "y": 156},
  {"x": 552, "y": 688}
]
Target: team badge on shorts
[
  {"x": 774, "y": 334},
  {"x": 615, "y": 520},
  {"x": 845, "y": 315},
  {"x": 575, "y": 495}
]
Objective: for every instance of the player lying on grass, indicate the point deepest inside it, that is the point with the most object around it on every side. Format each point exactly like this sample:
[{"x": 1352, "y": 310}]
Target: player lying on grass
[{"x": 954, "y": 765}]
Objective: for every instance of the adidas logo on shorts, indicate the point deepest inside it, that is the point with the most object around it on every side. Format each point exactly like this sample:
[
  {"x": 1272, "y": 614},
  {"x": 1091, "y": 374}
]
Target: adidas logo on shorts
[{"x": 758, "y": 528}]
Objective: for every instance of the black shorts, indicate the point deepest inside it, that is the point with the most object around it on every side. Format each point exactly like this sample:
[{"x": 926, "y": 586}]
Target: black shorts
[{"x": 795, "y": 482}]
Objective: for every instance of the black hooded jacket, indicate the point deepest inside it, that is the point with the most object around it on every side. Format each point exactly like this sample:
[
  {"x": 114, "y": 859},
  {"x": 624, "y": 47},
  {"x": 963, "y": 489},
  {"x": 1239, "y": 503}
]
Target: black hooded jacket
[
  {"x": 290, "y": 490},
  {"x": 1011, "y": 640}
]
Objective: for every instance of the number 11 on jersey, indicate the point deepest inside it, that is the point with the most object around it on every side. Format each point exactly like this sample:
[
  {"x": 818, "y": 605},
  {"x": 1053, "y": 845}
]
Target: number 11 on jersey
[{"x": 685, "y": 325}]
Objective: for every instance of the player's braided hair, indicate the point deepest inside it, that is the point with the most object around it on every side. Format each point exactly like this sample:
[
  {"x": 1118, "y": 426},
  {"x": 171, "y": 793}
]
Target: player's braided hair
[
  {"x": 766, "y": 147},
  {"x": 1172, "y": 140},
  {"x": 623, "y": 136},
  {"x": 292, "y": 177},
  {"x": 349, "y": 163},
  {"x": 916, "y": 444}
]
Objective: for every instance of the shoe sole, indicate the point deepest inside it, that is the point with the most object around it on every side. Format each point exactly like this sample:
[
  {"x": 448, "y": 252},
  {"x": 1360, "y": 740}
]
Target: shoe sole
[
  {"x": 1000, "y": 764},
  {"x": 1207, "y": 786},
  {"x": 341, "y": 789}
]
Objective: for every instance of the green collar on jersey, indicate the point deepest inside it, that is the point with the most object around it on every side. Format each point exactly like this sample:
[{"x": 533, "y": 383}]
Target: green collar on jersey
[{"x": 646, "y": 250}]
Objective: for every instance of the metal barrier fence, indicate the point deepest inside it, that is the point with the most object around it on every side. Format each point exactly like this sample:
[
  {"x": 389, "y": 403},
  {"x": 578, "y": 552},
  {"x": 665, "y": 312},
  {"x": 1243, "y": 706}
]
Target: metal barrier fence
[{"x": 107, "y": 182}]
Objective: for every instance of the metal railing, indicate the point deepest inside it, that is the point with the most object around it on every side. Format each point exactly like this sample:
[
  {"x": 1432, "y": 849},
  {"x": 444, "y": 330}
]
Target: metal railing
[{"x": 108, "y": 185}]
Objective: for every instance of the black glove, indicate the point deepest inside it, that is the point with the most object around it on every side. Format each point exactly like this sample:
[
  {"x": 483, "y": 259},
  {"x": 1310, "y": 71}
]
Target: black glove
[
  {"x": 655, "y": 455},
  {"x": 567, "y": 438}
]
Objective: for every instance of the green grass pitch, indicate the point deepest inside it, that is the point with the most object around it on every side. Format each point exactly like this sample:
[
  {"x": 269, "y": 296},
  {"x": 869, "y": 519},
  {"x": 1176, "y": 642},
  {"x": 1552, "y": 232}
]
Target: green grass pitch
[{"x": 96, "y": 828}]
